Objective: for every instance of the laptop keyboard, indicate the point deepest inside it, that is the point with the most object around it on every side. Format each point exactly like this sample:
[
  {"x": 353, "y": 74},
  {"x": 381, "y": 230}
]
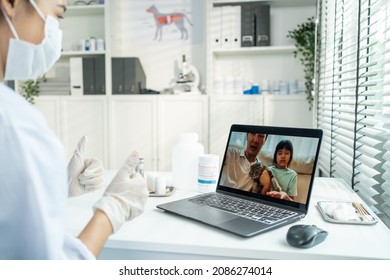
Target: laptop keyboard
[{"x": 243, "y": 208}]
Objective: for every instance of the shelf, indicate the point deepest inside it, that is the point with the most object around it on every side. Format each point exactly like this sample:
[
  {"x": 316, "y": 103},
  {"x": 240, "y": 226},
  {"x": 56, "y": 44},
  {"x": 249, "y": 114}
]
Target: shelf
[
  {"x": 82, "y": 53},
  {"x": 246, "y": 50},
  {"x": 274, "y": 3},
  {"x": 85, "y": 10}
]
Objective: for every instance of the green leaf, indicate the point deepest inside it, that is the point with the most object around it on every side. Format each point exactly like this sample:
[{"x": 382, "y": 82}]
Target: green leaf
[{"x": 304, "y": 38}]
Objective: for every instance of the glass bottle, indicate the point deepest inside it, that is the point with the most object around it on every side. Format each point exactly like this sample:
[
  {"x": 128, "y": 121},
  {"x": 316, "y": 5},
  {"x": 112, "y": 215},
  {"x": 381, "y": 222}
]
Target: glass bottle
[{"x": 140, "y": 167}]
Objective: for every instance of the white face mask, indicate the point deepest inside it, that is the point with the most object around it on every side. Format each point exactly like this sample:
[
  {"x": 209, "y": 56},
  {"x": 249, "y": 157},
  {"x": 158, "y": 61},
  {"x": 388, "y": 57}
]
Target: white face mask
[{"x": 28, "y": 61}]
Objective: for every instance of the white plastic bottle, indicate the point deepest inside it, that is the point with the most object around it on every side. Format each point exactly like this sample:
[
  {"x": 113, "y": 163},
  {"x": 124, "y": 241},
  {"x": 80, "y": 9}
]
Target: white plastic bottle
[
  {"x": 208, "y": 172},
  {"x": 185, "y": 155}
]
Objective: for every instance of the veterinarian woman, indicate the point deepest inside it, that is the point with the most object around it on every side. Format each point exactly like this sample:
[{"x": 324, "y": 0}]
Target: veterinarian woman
[{"x": 33, "y": 171}]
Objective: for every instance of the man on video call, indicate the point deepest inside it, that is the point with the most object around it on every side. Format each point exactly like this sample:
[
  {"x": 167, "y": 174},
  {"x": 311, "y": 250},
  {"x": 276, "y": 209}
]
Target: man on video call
[{"x": 237, "y": 165}]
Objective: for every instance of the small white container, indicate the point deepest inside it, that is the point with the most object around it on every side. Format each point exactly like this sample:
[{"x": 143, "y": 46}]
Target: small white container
[
  {"x": 208, "y": 171},
  {"x": 161, "y": 185},
  {"x": 151, "y": 182},
  {"x": 100, "y": 45}
]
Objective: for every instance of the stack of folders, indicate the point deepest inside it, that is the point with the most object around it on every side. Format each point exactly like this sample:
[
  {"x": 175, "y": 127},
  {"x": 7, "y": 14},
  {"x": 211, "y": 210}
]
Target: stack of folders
[
  {"x": 87, "y": 75},
  {"x": 128, "y": 76},
  {"x": 241, "y": 25}
]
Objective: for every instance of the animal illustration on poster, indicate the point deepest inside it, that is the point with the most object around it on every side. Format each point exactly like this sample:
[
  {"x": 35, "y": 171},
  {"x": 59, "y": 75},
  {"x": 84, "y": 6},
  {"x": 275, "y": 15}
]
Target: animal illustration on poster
[
  {"x": 165, "y": 19},
  {"x": 134, "y": 35},
  {"x": 174, "y": 23}
]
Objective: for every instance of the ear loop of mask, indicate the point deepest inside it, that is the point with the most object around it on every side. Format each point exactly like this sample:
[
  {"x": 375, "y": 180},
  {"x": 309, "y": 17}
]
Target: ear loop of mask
[
  {"x": 11, "y": 26},
  {"x": 32, "y": 2}
]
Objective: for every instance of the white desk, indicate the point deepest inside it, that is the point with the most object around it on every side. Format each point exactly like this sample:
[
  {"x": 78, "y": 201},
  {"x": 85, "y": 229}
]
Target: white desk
[{"x": 159, "y": 235}]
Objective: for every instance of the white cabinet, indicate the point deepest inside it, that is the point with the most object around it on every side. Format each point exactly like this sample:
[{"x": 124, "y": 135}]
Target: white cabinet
[
  {"x": 225, "y": 111},
  {"x": 81, "y": 116},
  {"x": 133, "y": 126},
  {"x": 80, "y": 24},
  {"x": 289, "y": 110},
  {"x": 256, "y": 64},
  {"x": 277, "y": 110},
  {"x": 50, "y": 108},
  {"x": 152, "y": 125},
  {"x": 177, "y": 115},
  {"x": 228, "y": 66},
  {"x": 73, "y": 117}
]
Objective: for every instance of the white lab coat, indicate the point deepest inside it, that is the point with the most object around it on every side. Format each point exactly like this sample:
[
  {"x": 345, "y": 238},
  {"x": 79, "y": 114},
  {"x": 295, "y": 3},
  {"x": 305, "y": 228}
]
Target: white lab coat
[{"x": 33, "y": 186}]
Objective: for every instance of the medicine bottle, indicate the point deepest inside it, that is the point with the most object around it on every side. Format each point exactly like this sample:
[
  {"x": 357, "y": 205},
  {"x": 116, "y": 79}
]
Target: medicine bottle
[
  {"x": 92, "y": 41},
  {"x": 141, "y": 167},
  {"x": 208, "y": 172},
  {"x": 87, "y": 45}
]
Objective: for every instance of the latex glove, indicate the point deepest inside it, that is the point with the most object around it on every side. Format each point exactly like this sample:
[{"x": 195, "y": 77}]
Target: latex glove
[
  {"x": 84, "y": 175},
  {"x": 126, "y": 195}
]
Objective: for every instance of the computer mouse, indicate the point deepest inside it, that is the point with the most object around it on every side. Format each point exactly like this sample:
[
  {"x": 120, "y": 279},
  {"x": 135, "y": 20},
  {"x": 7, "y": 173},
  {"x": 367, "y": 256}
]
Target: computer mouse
[{"x": 305, "y": 236}]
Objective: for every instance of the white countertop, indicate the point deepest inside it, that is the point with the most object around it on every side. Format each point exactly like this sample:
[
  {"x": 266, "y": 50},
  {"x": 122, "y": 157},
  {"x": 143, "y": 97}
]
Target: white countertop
[{"x": 159, "y": 235}]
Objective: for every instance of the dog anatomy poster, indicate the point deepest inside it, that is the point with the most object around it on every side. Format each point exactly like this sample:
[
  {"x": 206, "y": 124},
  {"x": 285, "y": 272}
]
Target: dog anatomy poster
[{"x": 166, "y": 21}]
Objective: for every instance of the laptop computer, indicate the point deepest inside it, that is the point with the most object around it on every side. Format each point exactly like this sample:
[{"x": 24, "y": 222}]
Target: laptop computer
[{"x": 259, "y": 188}]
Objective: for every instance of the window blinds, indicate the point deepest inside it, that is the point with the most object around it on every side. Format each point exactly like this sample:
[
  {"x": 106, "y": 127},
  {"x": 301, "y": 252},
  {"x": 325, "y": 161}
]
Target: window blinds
[{"x": 353, "y": 96}]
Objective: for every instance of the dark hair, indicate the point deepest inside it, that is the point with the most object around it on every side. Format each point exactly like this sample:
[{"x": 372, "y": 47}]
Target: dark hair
[
  {"x": 284, "y": 144},
  {"x": 265, "y": 135}
]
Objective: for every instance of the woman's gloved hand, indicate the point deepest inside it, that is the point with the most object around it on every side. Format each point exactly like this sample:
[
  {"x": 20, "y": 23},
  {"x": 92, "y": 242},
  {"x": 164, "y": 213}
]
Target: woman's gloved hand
[
  {"x": 126, "y": 195},
  {"x": 84, "y": 175}
]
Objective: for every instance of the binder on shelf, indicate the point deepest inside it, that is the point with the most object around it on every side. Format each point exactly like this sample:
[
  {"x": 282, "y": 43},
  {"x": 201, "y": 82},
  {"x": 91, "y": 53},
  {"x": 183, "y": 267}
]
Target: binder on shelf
[
  {"x": 100, "y": 75},
  {"x": 236, "y": 26},
  {"x": 262, "y": 25},
  {"x": 87, "y": 75},
  {"x": 227, "y": 26},
  {"x": 248, "y": 29},
  {"x": 225, "y": 30},
  {"x": 117, "y": 75},
  {"x": 128, "y": 76},
  {"x": 216, "y": 27},
  {"x": 76, "y": 76}
]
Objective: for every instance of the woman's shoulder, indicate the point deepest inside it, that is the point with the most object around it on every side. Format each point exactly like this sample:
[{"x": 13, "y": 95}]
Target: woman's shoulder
[
  {"x": 15, "y": 110},
  {"x": 20, "y": 119}
]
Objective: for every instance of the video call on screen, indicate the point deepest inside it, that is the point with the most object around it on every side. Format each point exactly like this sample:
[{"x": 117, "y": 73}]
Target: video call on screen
[{"x": 304, "y": 153}]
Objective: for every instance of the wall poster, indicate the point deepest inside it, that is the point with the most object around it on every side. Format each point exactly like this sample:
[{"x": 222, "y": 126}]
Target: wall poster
[{"x": 167, "y": 21}]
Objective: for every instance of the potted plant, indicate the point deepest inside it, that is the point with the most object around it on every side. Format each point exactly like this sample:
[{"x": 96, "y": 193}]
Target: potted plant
[
  {"x": 29, "y": 89},
  {"x": 304, "y": 37}
]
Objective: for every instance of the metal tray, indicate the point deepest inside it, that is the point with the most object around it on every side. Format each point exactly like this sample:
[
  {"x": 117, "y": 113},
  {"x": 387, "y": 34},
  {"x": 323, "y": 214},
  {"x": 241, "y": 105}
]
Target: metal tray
[
  {"x": 168, "y": 192},
  {"x": 360, "y": 219}
]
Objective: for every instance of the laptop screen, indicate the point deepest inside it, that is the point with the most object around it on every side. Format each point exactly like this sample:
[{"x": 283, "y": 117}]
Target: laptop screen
[{"x": 273, "y": 163}]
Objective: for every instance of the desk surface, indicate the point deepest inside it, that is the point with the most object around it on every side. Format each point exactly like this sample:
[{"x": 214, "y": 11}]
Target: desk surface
[{"x": 159, "y": 235}]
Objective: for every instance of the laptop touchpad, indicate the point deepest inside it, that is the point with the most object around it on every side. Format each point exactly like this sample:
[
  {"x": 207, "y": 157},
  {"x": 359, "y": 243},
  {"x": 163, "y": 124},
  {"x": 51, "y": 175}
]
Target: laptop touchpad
[{"x": 210, "y": 215}]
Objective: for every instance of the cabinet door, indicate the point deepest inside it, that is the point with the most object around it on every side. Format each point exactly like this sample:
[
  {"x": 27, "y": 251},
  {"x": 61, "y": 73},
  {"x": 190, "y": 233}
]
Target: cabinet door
[
  {"x": 50, "y": 108},
  {"x": 287, "y": 110},
  {"x": 179, "y": 115},
  {"x": 85, "y": 116},
  {"x": 225, "y": 111},
  {"x": 133, "y": 126}
]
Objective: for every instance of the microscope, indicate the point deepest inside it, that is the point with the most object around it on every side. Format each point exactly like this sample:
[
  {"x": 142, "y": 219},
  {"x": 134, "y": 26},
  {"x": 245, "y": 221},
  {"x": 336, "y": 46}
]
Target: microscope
[{"x": 188, "y": 79}]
